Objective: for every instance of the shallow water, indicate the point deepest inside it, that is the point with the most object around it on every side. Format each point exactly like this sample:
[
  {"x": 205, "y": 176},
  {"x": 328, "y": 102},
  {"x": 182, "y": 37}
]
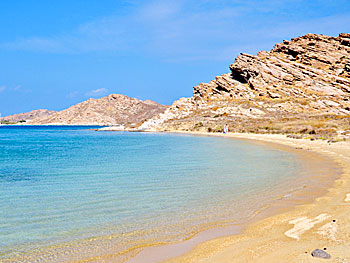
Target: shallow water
[{"x": 70, "y": 193}]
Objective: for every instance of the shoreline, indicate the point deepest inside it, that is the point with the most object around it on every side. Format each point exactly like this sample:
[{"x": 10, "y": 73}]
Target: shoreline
[
  {"x": 204, "y": 248},
  {"x": 293, "y": 234},
  {"x": 197, "y": 242}
]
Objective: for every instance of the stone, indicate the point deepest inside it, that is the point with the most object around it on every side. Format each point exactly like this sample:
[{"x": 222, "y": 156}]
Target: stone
[
  {"x": 319, "y": 253},
  {"x": 303, "y": 79}
]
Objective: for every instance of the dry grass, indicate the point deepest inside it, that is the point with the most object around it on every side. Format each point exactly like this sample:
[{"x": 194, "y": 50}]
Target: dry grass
[{"x": 318, "y": 126}]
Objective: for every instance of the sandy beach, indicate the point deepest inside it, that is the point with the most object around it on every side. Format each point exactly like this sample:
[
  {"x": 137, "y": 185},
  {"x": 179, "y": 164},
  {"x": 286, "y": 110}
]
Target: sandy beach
[
  {"x": 291, "y": 236},
  {"x": 296, "y": 221}
]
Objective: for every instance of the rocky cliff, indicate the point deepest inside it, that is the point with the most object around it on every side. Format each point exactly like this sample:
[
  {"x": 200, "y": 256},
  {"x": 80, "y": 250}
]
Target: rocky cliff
[
  {"x": 27, "y": 116},
  {"x": 300, "y": 86},
  {"x": 114, "y": 109}
]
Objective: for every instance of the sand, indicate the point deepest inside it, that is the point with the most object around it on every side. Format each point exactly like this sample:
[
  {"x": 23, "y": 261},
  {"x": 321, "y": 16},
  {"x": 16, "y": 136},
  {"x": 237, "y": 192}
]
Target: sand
[{"x": 293, "y": 235}]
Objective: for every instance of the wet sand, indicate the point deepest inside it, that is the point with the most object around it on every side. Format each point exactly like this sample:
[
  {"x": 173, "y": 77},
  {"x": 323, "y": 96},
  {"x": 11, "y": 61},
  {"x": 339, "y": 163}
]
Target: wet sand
[{"x": 291, "y": 236}]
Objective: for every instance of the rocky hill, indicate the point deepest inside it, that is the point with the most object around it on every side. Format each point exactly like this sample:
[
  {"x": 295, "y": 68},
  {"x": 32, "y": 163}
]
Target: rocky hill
[
  {"x": 114, "y": 109},
  {"x": 300, "y": 86},
  {"x": 27, "y": 116}
]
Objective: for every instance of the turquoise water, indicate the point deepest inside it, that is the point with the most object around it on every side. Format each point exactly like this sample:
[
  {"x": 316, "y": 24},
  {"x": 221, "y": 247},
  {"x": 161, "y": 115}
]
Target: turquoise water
[{"x": 74, "y": 193}]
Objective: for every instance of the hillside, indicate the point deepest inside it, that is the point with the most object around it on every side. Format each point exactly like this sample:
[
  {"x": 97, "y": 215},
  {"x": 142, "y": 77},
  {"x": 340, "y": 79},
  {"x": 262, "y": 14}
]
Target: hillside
[
  {"x": 114, "y": 109},
  {"x": 27, "y": 116},
  {"x": 300, "y": 86}
]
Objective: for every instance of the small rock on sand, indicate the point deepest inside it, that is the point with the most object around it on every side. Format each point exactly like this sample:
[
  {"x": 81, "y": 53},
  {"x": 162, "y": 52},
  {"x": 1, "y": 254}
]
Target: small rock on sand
[
  {"x": 318, "y": 253},
  {"x": 347, "y": 198}
]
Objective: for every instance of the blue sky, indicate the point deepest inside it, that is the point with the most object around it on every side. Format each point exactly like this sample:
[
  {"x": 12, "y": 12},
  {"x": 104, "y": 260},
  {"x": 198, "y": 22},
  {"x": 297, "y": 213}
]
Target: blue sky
[{"x": 54, "y": 54}]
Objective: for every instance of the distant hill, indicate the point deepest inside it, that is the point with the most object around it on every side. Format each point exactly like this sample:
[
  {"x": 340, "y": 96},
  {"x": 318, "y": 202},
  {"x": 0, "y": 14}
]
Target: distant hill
[
  {"x": 115, "y": 109},
  {"x": 27, "y": 116},
  {"x": 300, "y": 86}
]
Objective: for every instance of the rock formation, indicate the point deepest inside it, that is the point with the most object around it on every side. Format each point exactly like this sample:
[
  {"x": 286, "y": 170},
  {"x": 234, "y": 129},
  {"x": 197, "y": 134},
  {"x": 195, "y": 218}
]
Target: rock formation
[
  {"x": 300, "y": 86},
  {"x": 114, "y": 109},
  {"x": 27, "y": 116}
]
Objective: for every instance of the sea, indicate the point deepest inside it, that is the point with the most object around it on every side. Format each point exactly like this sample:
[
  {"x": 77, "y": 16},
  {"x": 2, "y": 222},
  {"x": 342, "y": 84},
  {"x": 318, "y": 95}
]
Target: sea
[{"x": 74, "y": 194}]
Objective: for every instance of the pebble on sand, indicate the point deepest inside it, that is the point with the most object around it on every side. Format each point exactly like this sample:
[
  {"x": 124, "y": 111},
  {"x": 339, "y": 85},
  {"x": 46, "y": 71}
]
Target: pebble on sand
[{"x": 318, "y": 253}]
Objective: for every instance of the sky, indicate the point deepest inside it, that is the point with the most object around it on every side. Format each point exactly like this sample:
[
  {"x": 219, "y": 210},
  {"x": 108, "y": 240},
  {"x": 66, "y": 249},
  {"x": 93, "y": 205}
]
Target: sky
[{"x": 54, "y": 54}]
